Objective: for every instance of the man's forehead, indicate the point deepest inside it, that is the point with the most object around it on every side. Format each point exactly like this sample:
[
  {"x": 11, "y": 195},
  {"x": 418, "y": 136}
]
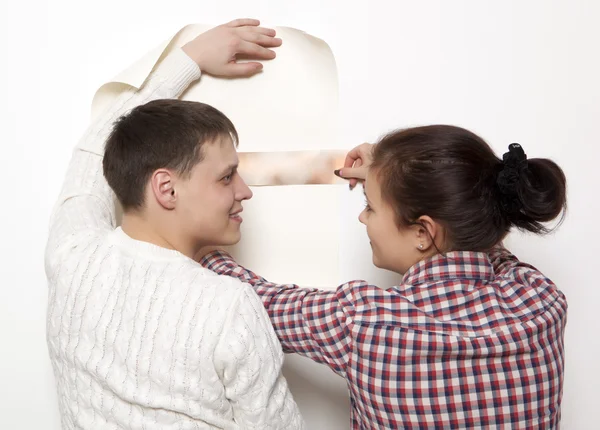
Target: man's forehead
[{"x": 219, "y": 153}]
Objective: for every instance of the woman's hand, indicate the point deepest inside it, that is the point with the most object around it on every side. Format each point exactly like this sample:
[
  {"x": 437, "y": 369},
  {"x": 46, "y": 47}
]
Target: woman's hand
[{"x": 357, "y": 164}]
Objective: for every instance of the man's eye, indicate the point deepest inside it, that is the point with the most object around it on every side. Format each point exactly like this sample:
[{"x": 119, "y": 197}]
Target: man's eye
[{"x": 227, "y": 178}]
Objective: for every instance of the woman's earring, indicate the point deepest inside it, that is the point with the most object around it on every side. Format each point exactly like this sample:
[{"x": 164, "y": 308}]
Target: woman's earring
[{"x": 421, "y": 246}]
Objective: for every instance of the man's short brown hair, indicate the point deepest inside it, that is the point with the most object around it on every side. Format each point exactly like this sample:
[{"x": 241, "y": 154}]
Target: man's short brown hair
[{"x": 160, "y": 134}]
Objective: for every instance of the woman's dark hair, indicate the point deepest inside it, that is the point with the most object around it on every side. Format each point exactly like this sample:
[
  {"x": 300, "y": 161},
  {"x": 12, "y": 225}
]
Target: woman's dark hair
[{"x": 453, "y": 176}]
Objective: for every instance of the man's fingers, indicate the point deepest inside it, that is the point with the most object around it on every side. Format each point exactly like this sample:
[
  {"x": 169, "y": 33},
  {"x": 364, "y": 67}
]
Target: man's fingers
[
  {"x": 240, "y": 70},
  {"x": 261, "y": 30},
  {"x": 261, "y": 39},
  {"x": 242, "y": 22},
  {"x": 255, "y": 51}
]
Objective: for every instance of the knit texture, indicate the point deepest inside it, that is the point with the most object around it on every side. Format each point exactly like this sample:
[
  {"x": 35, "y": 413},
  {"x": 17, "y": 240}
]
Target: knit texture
[{"x": 143, "y": 337}]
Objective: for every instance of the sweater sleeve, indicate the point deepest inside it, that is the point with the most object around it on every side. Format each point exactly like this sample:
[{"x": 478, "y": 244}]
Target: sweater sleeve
[
  {"x": 249, "y": 359},
  {"x": 86, "y": 205},
  {"x": 316, "y": 324}
]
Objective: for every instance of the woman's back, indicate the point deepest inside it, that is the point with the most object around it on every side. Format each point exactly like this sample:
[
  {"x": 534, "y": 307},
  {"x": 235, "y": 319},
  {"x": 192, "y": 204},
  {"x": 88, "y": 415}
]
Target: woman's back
[{"x": 465, "y": 342}]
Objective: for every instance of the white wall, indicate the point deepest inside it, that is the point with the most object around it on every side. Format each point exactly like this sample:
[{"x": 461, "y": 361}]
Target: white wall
[{"x": 511, "y": 71}]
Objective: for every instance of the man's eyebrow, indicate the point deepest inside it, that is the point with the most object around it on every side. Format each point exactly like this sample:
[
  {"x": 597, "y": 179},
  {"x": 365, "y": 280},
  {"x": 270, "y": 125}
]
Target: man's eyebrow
[{"x": 229, "y": 169}]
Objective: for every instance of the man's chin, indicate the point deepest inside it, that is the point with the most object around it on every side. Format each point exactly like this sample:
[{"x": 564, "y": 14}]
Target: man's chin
[{"x": 232, "y": 239}]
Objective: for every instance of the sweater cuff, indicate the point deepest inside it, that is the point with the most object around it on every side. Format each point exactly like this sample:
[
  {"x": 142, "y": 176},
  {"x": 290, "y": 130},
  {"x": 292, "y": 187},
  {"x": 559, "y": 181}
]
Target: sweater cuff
[{"x": 178, "y": 70}]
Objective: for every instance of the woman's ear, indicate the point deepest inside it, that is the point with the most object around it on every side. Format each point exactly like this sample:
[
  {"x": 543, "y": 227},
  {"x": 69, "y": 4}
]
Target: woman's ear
[{"x": 429, "y": 234}]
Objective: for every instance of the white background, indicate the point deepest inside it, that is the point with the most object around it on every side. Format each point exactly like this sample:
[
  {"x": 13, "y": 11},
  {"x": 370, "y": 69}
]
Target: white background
[{"x": 510, "y": 71}]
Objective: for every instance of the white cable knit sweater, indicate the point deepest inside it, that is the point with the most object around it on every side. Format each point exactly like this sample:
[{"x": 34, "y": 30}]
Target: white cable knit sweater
[{"x": 142, "y": 337}]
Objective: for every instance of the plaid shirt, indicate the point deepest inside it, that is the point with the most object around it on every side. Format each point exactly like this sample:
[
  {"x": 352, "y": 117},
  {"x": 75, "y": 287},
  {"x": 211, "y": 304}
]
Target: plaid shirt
[{"x": 468, "y": 340}]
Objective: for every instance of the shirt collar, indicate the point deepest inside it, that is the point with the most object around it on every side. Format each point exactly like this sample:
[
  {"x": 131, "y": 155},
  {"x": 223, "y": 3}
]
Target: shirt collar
[{"x": 450, "y": 266}]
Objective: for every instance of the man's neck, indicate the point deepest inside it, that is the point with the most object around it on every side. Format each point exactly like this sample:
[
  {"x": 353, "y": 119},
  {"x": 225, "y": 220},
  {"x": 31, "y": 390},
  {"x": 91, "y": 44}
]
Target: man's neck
[{"x": 139, "y": 228}]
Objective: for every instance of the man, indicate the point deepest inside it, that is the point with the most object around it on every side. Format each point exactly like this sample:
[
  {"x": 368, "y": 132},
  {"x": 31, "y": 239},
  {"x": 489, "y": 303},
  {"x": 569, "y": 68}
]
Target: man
[{"x": 139, "y": 334}]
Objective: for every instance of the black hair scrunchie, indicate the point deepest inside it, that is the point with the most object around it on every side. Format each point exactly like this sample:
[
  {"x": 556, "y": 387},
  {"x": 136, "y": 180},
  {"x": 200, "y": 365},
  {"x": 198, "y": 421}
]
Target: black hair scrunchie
[{"x": 515, "y": 162}]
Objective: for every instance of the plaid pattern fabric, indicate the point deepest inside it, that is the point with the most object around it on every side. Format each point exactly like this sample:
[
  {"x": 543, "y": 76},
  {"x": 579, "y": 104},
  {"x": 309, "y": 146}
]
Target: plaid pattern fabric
[{"x": 467, "y": 340}]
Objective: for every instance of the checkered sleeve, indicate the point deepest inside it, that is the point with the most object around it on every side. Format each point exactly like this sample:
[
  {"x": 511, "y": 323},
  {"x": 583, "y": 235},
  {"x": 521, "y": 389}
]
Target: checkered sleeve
[
  {"x": 502, "y": 260},
  {"x": 310, "y": 322},
  {"x": 506, "y": 265}
]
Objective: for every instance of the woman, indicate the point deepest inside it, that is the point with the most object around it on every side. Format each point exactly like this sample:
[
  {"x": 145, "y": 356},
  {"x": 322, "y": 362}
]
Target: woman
[{"x": 472, "y": 337}]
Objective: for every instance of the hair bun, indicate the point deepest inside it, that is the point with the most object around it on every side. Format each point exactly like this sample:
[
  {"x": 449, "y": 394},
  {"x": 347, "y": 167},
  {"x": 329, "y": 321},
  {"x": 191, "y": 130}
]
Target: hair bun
[{"x": 514, "y": 165}]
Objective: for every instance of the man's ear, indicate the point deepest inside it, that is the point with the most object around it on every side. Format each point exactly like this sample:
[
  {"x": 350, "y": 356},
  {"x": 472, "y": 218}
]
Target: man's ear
[{"x": 162, "y": 183}]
